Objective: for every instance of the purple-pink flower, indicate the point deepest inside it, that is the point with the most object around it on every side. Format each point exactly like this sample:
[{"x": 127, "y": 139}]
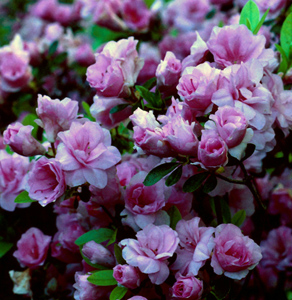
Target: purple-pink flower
[
  {"x": 234, "y": 254},
  {"x": 32, "y": 248},
  {"x": 46, "y": 181},
  {"x": 86, "y": 154},
  {"x": 55, "y": 115},
  {"x": 154, "y": 245},
  {"x": 187, "y": 287},
  {"x": 127, "y": 276}
]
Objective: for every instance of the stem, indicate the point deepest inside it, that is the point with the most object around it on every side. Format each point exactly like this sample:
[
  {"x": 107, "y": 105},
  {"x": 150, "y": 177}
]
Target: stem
[
  {"x": 230, "y": 180},
  {"x": 53, "y": 148}
]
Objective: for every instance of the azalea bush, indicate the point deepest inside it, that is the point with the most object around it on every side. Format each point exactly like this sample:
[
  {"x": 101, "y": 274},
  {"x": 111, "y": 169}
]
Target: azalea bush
[{"x": 145, "y": 149}]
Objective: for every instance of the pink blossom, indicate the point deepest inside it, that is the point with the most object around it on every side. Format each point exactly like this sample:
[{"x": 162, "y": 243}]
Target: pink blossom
[
  {"x": 32, "y": 248},
  {"x": 187, "y": 287},
  {"x": 234, "y": 254},
  {"x": 46, "y": 181},
  {"x": 100, "y": 110},
  {"x": 98, "y": 254},
  {"x": 195, "y": 246},
  {"x": 55, "y": 115},
  {"x": 235, "y": 44},
  {"x": 168, "y": 71},
  {"x": 21, "y": 141},
  {"x": 275, "y": 7},
  {"x": 127, "y": 276},
  {"x": 15, "y": 72},
  {"x": 85, "y": 154},
  {"x": 84, "y": 55},
  {"x": 196, "y": 87},
  {"x": 277, "y": 249},
  {"x": 116, "y": 68},
  {"x": 84, "y": 290},
  {"x": 135, "y": 14},
  {"x": 137, "y": 298},
  {"x": 45, "y": 9},
  {"x": 13, "y": 175},
  {"x": 154, "y": 245},
  {"x": 212, "y": 151}
]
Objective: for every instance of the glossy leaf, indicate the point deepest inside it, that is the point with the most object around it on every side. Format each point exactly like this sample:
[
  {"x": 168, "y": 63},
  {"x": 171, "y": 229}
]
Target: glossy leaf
[
  {"x": 194, "y": 182},
  {"x": 118, "y": 293},
  {"x": 23, "y": 198},
  {"x": 174, "y": 177},
  {"x": 100, "y": 235},
  {"x": 102, "y": 278}
]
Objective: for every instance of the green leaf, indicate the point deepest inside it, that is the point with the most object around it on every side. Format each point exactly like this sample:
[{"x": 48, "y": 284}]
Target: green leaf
[
  {"x": 100, "y": 235},
  {"x": 286, "y": 36},
  {"x": 60, "y": 58},
  {"x": 174, "y": 215},
  {"x": 210, "y": 184},
  {"x": 194, "y": 182},
  {"x": 4, "y": 247},
  {"x": 23, "y": 198},
  {"x": 113, "y": 238},
  {"x": 239, "y": 217},
  {"x": 225, "y": 209},
  {"x": 149, "y": 2},
  {"x": 158, "y": 173},
  {"x": 29, "y": 120},
  {"x": 174, "y": 177},
  {"x": 53, "y": 48},
  {"x": 153, "y": 99},
  {"x": 118, "y": 255},
  {"x": 118, "y": 293},
  {"x": 261, "y": 22},
  {"x": 250, "y": 15},
  {"x": 118, "y": 108},
  {"x": 102, "y": 278},
  {"x": 86, "y": 108}
]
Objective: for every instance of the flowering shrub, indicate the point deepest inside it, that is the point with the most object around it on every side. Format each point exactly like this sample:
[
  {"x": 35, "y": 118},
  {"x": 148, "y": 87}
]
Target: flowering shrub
[{"x": 145, "y": 149}]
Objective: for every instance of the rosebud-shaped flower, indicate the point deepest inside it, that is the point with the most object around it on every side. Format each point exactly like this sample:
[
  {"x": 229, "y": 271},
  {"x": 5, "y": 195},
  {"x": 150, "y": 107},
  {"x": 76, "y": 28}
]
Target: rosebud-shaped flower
[
  {"x": 116, "y": 68},
  {"x": 231, "y": 125},
  {"x": 46, "y": 181},
  {"x": 212, "y": 151},
  {"x": 168, "y": 71},
  {"x": 15, "y": 72},
  {"x": 19, "y": 138},
  {"x": 196, "y": 87},
  {"x": 98, "y": 254},
  {"x": 55, "y": 115},
  {"x": 234, "y": 254},
  {"x": 86, "y": 154},
  {"x": 13, "y": 174},
  {"x": 154, "y": 245},
  {"x": 32, "y": 248},
  {"x": 187, "y": 287},
  {"x": 127, "y": 275}
]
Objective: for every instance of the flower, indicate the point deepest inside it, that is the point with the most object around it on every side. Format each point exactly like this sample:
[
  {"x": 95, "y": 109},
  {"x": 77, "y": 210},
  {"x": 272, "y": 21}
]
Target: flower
[
  {"x": 187, "y": 287},
  {"x": 85, "y": 154},
  {"x": 234, "y": 254},
  {"x": 154, "y": 245},
  {"x": 127, "y": 275},
  {"x": 32, "y": 248},
  {"x": 46, "y": 181}
]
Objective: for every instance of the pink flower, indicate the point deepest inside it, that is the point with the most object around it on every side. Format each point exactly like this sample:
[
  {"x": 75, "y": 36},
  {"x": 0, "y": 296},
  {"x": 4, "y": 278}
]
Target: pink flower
[
  {"x": 15, "y": 72},
  {"x": 212, "y": 151},
  {"x": 98, "y": 254},
  {"x": 101, "y": 107},
  {"x": 196, "y": 87},
  {"x": 13, "y": 174},
  {"x": 55, "y": 115},
  {"x": 46, "y": 181},
  {"x": 32, "y": 248},
  {"x": 116, "y": 68},
  {"x": 127, "y": 276},
  {"x": 277, "y": 249},
  {"x": 21, "y": 141},
  {"x": 195, "y": 246},
  {"x": 234, "y": 254},
  {"x": 235, "y": 44},
  {"x": 84, "y": 290},
  {"x": 154, "y": 245},
  {"x": 86, "y": 154},
  {"x": 275, "y": 6},
  {"x": 45, "y": 9},
  {"x": 187, "y": 287},
  {"x": 137, "y": 298},
  {"x": 135, "y": 14}
]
